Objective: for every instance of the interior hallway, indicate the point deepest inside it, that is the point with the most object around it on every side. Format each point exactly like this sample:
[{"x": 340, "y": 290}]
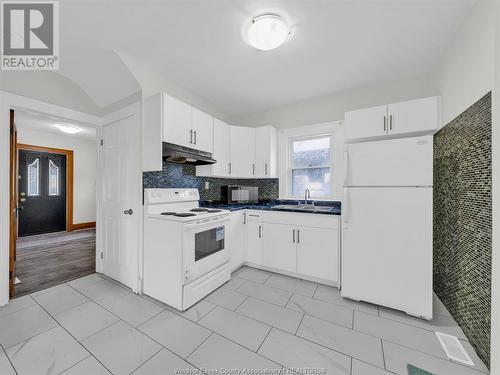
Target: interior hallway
[{"x": 50, "y": 259}]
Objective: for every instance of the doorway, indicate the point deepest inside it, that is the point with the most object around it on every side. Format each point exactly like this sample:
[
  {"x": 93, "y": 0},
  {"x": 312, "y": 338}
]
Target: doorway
[{"x": 54, "y": 183}]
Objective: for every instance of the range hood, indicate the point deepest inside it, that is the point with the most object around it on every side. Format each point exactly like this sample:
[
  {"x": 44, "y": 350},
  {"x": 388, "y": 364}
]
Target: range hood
[{"x": 185, "y": 155}]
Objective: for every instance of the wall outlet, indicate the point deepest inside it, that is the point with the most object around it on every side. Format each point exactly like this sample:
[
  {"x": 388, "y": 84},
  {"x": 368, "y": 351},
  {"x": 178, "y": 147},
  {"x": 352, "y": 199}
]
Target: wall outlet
[{"x": 207, "y": 185}]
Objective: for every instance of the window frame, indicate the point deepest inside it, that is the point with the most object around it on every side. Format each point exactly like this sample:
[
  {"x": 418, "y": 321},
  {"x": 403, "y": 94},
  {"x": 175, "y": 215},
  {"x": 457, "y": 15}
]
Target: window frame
[
  {"x": 290, "y": 166},
  {"x": 335, "y": 130}
]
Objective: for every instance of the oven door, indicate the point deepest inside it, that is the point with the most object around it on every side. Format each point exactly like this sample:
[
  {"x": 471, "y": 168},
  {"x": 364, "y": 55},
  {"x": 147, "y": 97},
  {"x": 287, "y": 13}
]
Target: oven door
[{"x": 205, "y": 247}]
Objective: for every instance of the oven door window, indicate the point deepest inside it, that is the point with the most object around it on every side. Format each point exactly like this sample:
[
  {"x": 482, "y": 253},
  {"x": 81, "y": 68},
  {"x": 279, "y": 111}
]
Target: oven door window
[{"x": 208, "y": 242}]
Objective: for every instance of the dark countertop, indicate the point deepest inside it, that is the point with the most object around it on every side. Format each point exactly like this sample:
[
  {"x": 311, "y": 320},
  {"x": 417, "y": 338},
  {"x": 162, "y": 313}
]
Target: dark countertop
[{"x": 268, "y": 206}]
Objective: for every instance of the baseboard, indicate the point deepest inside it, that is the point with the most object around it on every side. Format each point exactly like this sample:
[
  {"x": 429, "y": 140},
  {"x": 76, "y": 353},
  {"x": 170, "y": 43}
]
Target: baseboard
[{"x": 87, "y": 225}]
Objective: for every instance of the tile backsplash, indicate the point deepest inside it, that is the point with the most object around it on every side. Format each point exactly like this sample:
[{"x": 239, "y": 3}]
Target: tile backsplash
[
  {"x": 184, "y": 176},
  {"x": 462, "y": 221}
]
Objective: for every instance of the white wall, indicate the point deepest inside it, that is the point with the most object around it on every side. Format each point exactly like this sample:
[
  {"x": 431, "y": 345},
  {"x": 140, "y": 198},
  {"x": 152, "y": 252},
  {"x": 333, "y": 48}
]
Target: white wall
[
  {"x": 466, "y": 71},
  {"x": 152, "y": 82},
  {"x": 332, "y": 107},
  {"x": 48, "y": 86},
  {"x": 85, "y": 168}
]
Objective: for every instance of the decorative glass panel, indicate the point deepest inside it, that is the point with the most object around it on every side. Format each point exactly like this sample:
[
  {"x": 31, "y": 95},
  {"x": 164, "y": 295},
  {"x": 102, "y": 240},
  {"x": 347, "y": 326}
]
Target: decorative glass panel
[
  {"x": 53, "y": 178},
  {"x": 34, "y": 177}
]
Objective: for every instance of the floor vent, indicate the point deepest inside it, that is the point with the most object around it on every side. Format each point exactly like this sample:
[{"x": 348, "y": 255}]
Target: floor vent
[{"x": 454, "y": 348}]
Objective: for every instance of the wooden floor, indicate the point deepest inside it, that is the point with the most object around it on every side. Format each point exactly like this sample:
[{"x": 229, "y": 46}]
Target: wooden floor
[{"x": 50, "y": 259}]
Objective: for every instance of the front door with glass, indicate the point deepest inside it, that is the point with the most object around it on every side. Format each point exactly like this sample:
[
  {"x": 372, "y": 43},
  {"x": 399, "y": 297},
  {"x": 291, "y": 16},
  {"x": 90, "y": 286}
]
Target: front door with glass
[{"x": 42, "y": 192}]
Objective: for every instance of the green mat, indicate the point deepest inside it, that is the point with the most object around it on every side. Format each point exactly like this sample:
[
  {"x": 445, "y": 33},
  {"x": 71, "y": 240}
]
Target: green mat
[{"x": 412, "y": 370}]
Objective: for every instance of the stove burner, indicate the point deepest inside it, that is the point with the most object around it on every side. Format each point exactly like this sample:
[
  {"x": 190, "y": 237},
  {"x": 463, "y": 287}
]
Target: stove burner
[
  {"x": 213, "y": 211},
  {"x": 184, "y": 214},
  {"x": 199, "y": 210},
  {"x": 167, "y": 213}
]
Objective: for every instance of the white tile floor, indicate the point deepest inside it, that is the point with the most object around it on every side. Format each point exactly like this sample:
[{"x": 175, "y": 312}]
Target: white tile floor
[{"x": 257, "y": 320}]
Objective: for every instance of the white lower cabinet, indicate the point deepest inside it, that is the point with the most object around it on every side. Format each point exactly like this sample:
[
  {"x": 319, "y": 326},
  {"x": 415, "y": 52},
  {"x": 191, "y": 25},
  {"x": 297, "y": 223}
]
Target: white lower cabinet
[
  {"x": 279, "y": 247},
  {"x": 302, "y": 245},
  {"x": 254, "y": 242},
  {"x": 237, "y": 239},
  {"x": 318, "y": 253}
]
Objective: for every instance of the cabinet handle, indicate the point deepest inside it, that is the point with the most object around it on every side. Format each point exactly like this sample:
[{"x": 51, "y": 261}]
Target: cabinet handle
[
  {"x": 191, "y": 136},
  {"x": 298, "y": 235},
  {"x": 265, "y": 167},
  {"x": 260, "y": 231},
  {"x": 229, "y": 168},
  {"x": 244, "y": 217},
  {"x": 293, "y": 236},
  {"x": 195, "y": 137},
  {"x": 253, "y": 168},
  {"x": 385, "y": 123},
  {"x": 390, "y": 122}
]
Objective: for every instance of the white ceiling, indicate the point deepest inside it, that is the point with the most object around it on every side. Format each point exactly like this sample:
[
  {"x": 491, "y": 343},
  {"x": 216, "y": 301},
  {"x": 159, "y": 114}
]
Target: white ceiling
[
  {"x": 335, "y": 46},
  {"x": 30, "y": 120}
]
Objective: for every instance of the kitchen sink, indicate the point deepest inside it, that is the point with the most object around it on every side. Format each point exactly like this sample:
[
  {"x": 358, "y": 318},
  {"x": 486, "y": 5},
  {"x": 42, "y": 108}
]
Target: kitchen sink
[{"x": 302, "y": 208}]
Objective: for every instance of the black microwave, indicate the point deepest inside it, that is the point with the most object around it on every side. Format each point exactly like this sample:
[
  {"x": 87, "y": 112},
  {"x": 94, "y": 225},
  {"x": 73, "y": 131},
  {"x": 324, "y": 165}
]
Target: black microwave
[{"x": 236, "y": 194}]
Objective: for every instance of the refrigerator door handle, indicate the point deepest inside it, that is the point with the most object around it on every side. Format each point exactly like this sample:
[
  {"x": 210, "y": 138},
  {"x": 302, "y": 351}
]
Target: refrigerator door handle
[
  {"x": 345, "y": 208},
  {"x": 346, "y": 166}
]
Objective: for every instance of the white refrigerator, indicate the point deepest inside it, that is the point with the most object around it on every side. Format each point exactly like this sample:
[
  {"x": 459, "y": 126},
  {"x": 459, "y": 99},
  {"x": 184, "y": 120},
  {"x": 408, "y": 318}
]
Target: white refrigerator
[{"x": 387, "y": 224}]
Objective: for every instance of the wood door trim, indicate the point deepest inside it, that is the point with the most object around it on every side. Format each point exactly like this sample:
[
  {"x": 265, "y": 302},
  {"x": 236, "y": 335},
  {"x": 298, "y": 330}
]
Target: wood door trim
[
  {"x": 69, "y": 176},
  {"x": 13, "y": 173},
  {"x": 86, "y": 225}
]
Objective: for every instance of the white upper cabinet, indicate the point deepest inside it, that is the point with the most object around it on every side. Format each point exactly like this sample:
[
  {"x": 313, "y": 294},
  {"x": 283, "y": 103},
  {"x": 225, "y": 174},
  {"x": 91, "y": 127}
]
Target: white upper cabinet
[
  {"x": 419, "y": 115},
  {"x": 242, "y": 150},
  {"x": 202, "y": 127},
  {"x": 221, "y": 152},
  {"x": 266, "y": 151},
  {"x": 410, "y": 118},
  {"x": 167, "y": 119},
  {"x": 366, "y": 123},
  {"x": 176, "y": 121}
]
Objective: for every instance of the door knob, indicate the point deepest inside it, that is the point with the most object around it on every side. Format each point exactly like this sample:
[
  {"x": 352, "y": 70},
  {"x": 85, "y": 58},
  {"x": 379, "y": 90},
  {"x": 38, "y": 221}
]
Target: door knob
[{"x": 128, "y": 212}]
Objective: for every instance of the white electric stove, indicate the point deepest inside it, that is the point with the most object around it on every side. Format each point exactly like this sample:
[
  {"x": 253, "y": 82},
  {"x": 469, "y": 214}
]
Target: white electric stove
[{"x": 186, "y": 250}]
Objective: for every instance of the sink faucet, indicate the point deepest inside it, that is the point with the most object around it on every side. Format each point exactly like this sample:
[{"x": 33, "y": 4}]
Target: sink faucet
[{"x": 307, "y": 195}]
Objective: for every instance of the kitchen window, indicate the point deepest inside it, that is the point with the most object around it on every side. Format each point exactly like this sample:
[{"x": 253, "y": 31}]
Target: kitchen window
[{"x": 310, "y": 160}]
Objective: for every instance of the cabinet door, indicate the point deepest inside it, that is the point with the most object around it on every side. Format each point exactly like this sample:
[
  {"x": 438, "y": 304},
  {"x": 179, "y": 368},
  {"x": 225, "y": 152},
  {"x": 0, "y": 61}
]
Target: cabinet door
[
  {"x": 279, "y": 247},
  {"x": 222, "y": 144},
  {"x": 366, "y": 123},
  {"x": 237, "y": 239},
  {"x": 266, "y": 145},
  {"x": 254, "y": 242},
  {"x": 242, "y": 151},
  {"x": 202, "y": 125},
  {"x": 176, "y": 122},
  {"x": 318, "y": 253},
  {"x": 414, "y": 116}
]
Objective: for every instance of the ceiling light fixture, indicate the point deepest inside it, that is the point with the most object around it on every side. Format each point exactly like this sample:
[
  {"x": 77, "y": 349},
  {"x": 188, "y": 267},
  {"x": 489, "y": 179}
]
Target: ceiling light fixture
[
  {"x": 267, "y": 32},
  {"x": 70, "y": 129}
]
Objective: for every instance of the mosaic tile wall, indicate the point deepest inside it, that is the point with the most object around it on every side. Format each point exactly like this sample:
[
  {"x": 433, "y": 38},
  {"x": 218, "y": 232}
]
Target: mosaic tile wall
[
  {"x": 184, "y": 176},
  {"x": 462, "y": 221}
]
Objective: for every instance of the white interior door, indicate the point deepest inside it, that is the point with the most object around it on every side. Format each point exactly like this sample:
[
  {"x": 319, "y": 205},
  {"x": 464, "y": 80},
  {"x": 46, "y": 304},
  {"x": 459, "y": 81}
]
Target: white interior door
[{"x": 121, "y": 196}]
